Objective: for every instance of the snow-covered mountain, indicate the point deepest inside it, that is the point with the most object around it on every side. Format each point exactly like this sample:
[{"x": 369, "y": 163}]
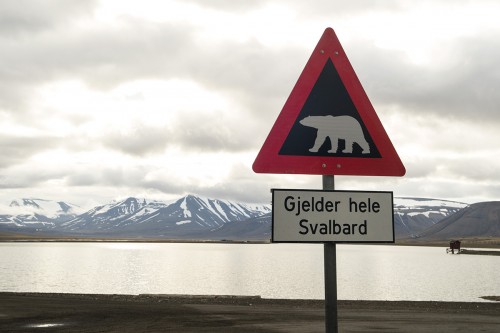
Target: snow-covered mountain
[
  {"x": 414, "y": 215},
  {"x": 113, "y": 216},
  {"x": 190, "y": 217},
  {"x": 37, "y": 213}
]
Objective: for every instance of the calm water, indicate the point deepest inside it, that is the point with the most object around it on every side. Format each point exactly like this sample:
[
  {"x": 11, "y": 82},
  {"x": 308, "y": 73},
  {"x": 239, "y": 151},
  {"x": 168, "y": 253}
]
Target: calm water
[{"x": 369, "y": 272}]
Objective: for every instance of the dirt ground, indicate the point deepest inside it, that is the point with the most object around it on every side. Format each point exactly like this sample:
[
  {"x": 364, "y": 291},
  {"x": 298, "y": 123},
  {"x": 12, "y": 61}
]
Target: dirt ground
[{"x": 26, "y": 312}]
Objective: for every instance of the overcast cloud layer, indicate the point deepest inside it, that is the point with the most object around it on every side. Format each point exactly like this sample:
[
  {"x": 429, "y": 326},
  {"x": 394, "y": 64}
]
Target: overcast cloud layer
[{"x": 104, "y": 99}]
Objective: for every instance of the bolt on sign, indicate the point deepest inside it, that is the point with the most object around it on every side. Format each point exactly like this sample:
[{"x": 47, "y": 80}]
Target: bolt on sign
[{"x": 332, "y": 216}]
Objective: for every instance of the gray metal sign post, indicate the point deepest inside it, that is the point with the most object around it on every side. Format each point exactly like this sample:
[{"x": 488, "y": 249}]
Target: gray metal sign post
[{"x": 330, "y": 267}]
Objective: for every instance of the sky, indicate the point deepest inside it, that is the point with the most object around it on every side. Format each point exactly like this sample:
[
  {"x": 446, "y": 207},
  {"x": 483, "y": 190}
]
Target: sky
[{"x": 101, "y": 100}]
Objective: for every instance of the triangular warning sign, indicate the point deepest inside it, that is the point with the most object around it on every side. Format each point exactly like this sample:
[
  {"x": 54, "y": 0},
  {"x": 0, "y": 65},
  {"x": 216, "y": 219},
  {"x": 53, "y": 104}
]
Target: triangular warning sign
[{"x": 328, "y": 125}]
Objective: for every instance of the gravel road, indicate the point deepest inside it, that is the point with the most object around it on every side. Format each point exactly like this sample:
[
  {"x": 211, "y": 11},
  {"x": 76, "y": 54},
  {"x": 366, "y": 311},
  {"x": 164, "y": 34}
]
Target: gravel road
[{"x": 28, "y": 312}]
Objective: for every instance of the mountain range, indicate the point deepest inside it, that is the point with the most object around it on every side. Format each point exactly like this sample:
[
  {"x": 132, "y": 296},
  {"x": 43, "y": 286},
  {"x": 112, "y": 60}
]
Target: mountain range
[
  {"x": 190, "y": 217},
  {"x": 197, "y": 218}
]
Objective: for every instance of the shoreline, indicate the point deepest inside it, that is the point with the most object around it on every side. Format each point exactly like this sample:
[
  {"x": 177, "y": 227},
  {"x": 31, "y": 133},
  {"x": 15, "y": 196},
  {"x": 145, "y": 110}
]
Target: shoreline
[
  {"x": 245, "y": 300},
  {"x": 469, "y": 247},
  {"x": 469, "y": 242},
  {"x": 22, "y": 312}
]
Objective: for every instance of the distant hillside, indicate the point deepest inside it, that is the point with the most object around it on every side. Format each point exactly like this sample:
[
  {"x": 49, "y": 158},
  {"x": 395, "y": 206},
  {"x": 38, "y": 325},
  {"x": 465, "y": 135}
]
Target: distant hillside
[
  {"x": 414, "y": 215},
  {"x": 190, "y": 217},
  {"x": 257, "y": 228},
  {"x": 479, "y": 220}
]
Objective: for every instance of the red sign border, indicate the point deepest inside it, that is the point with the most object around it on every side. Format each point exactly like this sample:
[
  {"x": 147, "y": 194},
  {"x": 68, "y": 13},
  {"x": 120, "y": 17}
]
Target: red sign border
[{"x": 270, "y": 161}]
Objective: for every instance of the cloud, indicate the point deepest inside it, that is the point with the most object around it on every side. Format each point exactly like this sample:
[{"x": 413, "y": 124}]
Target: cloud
[
  {"x": 212, "y": 131},
  {"x": 138, "y": 141},
  {"x": 26, "y": 28},
  {"x": 325, "y": 8},
  {"x": 238, "y": 5},
  {"x": 462, "y": 86},
  {"x": 217, "y": 131},
  {"x": 20, "y": 17},
  {"x": 106, "y": 175},
  {"x": 24, "y": 176},
  {"x": 449, "y": 189},
  {"x": 317, "y": 8},
  {"x": 473, "y": 168},
  {"x": 470, "y": 86},
  {"x": 16, "y": 150},
  {"x": 103, "y": 57},
  {"x": 133, "y": 101}
]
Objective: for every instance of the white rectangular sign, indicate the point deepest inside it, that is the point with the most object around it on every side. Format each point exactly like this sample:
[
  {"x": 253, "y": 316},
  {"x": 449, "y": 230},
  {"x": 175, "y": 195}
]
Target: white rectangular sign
[{"x": 332, "y": 216}]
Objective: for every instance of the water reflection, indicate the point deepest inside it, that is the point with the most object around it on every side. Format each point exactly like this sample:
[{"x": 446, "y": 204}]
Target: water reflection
[{"x": 373, "y": 272}]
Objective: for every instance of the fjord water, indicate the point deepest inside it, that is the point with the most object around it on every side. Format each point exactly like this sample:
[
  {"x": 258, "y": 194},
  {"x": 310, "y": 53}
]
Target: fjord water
[{"x": 364, "y": 272}]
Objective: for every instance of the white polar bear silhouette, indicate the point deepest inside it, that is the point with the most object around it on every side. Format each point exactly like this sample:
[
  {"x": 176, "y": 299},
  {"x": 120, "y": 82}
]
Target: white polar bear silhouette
[{"x": 336, "y": 128}]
